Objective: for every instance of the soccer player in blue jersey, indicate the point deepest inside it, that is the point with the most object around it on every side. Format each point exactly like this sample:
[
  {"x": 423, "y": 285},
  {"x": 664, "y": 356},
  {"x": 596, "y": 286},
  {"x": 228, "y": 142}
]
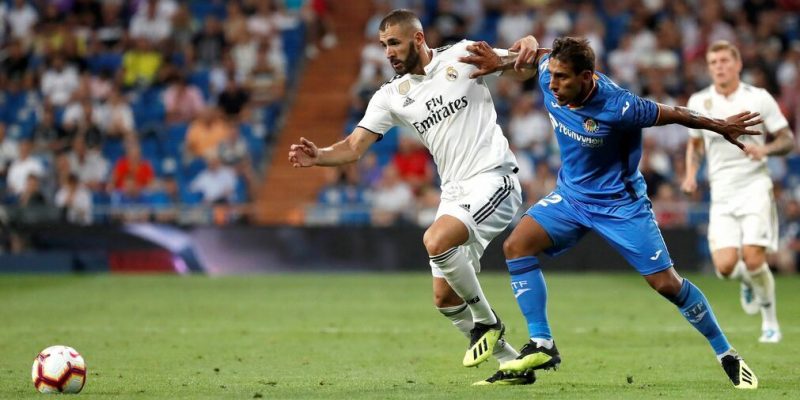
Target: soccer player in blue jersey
[{"x": 598, "y": 127}]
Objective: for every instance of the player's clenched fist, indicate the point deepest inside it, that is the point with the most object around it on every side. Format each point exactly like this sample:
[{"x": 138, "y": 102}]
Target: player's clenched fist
[{"x": 304, "y": 154}]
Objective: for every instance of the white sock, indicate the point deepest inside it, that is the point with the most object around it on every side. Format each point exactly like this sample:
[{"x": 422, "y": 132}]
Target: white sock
[
  {"x": 546, "y": 343},
  {"x": 764, "y": 289},
  {"x": 461, "y": 317},
  {"x": 461, "y": 277}
]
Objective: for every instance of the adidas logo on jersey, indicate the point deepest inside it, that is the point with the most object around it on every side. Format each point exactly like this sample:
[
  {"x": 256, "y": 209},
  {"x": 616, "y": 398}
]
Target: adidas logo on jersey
[
  {"x": 408, "y": 101},
  {"x": 464, "y": 206}
]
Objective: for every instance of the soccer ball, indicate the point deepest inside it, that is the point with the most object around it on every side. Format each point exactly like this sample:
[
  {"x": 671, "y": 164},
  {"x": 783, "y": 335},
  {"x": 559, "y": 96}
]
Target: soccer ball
[{"x": 59, "y": 369}]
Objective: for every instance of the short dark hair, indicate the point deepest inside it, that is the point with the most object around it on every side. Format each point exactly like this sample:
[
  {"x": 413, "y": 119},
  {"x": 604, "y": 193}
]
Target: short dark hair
[
  {"x": 402, "y": 17},
  {"x": 574, "y": 51}
]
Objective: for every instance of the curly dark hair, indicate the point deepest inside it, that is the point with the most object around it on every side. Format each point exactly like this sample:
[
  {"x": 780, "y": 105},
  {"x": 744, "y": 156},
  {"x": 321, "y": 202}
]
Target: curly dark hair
[{"x": 575, "y": 52}]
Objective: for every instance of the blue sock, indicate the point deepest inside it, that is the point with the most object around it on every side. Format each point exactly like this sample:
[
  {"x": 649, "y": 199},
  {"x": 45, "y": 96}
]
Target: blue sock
[
  {"x": 695, "y": 308},
  {"x": 530, "y": 290}
]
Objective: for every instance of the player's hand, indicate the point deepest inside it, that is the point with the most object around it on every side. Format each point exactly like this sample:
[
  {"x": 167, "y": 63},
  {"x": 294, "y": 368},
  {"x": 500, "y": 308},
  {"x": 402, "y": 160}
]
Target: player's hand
[
  {"x": 736, "y": 126},
  {"x": 526, "y": 49},
  {"x": 304, "y": 154},
  {"x": 483, "y": 57},
  {"x": 689, "y": 185},
  {"x": 755, "y": 152}
]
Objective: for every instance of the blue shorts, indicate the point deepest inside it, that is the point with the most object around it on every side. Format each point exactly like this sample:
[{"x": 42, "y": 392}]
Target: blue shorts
[{"x": 631, "y": 229}]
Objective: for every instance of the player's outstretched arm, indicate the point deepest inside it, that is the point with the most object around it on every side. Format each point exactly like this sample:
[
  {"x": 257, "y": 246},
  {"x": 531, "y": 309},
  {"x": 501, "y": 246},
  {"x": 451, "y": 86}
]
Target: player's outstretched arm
[
  {"x": 519, "y": 64},
  {"x": 350, "y": 149},
  {"x": 730, "y": 128},
  {"x": 695, "y": 150}
]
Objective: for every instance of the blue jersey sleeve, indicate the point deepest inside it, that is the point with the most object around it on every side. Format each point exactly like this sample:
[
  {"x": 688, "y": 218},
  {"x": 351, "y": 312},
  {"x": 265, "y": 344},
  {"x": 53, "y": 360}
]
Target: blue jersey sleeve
[{"x": 634, "y": 111}]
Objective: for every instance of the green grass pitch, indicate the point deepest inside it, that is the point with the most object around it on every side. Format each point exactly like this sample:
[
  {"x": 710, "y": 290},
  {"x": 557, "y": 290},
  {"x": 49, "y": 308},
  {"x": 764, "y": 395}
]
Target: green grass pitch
[{"x": 348, "y": 336}]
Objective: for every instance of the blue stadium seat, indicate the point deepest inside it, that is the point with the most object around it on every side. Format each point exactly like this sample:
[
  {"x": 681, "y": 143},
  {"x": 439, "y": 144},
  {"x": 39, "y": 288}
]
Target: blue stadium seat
[
  {"x": 190, "y": 170},
  {"x": 176, "y": 135},
  {"x": 202, "y": 79},
  {"x": 200, "y": 9},
  {"x": 240, "y": 196},
  {"x": 255, "y": 145},
  {"x": 793, "y": 165},
  {"x": 113, "y": 150},
  {"x": 106, "y": 61}
]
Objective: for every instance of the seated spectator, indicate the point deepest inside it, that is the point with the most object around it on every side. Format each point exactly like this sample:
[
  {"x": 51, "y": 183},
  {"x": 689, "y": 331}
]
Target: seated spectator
[
  {"x": 206, "y": 133},
  {"x": 47, "y": 135},
  {"x": 233, "y": 149},
  {"x": 130, "y": 201},
  {"x": 413, "y": 163},
  {"x": 209, "y": 43},
  {"x": 391, "y": 199},
  {"x": 59, "y": 81},
  {"x": 32, "y": 195},
  {"x": 117, "y": 117},
  {"x": 132, "y": 166},
  {"x": 268, "y": 80},
  {"x": 233, "y": 98},
  {"x": 182, "y": 101},
  {"x": 217, "y": 182},
  {"x": 22, "y": 18},
  {"x": 166, "y": 200},
  {"x": 140, "y": 64},
  {"x": 75, "y": 201},
  {"x": 88, "y": 164},
  {"x": 82, "y": 118},
  {"x": 149, "y": 24},
  {"x": 25, "y": 165},
  {"x": 17, "y": 61},
  {"x": 345, "y": 197},
  {"x": 112, "y": 29}
]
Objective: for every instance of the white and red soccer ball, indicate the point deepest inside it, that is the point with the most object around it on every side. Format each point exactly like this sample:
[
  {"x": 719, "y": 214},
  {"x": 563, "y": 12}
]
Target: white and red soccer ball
[{"x": 59, "y": 369}]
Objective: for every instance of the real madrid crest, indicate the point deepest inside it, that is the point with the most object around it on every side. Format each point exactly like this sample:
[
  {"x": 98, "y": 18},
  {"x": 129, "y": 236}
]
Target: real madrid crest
[
  {"x": 707, "y": 104},
  {"x": 451, "y": 74},
  {"x": 404, "y": 87},
  {"x": 590, "y": 125}
]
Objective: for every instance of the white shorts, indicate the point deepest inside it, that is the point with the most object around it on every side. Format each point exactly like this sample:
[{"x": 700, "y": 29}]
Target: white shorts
[
  {"x": 486, "y": 204},
  {"x": 748, "y": 219}
]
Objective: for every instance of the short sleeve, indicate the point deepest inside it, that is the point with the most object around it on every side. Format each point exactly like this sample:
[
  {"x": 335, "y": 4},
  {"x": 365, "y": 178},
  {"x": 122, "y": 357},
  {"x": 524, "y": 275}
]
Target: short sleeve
[
  {"x": 771, "y": 113},
  {"x": 693, "y": 105},
  {"x": 378, "y": 118},
  {"x": 635, "y": 111}
]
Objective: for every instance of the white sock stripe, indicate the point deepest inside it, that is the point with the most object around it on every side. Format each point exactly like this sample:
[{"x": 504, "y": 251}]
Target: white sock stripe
[{"x": 444, "y": 256}]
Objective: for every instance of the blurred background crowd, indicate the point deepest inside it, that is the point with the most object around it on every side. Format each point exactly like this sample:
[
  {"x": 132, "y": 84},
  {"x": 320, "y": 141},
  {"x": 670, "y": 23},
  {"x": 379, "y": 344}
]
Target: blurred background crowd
[
  {"x": 115, "y": 110},
  {"x": 165, "y": 110}
]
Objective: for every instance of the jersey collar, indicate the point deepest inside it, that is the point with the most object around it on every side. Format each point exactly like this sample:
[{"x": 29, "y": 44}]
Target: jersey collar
[{"x": 731, "y": 96}]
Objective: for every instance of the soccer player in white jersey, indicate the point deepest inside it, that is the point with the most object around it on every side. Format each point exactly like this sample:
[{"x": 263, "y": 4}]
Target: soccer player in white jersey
[
  {"x": 455, "y": 118},
  {"x": 743, "y": 224}
]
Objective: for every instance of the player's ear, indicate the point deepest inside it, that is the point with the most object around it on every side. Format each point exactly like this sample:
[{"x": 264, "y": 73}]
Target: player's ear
[
  {"x": 586, "y": 75},
  {"x": 419, "y": 38}
]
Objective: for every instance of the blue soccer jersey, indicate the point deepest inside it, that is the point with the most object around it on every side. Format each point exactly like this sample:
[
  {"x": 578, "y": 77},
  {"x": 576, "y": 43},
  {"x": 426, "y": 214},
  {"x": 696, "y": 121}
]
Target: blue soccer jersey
[{"x": 601, "y": 141}]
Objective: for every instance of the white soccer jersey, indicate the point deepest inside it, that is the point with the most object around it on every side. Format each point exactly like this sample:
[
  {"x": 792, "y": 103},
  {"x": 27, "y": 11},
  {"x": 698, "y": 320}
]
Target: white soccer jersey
[
  {"x": 730, "y": 170},
  {"x": 453, "y": 114}
]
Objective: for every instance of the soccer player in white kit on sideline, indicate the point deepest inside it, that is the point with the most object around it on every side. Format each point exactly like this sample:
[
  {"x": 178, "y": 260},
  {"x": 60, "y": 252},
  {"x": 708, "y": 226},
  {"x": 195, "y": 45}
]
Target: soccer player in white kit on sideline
[
  {"x": 455, "y": 118},
  {"x": 743, "y": 223}
]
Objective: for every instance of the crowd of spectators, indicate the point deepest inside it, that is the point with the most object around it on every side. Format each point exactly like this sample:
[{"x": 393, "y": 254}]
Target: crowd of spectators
[
  {"x": 654, "y": 48},
  {"x": 140, "y": 109}
]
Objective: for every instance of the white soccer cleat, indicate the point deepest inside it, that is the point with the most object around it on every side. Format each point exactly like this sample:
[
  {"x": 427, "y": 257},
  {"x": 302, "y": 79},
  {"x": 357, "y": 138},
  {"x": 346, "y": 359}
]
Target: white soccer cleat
[
  {"x": 748, "y": 299},
  {"x": 770, "y": 336}
]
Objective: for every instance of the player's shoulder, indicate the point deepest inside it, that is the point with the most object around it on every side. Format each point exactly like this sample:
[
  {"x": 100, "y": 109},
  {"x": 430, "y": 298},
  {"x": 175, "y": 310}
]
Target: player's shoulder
[
  {"x": 388, "y": 85},
  {"x": 699, "y": 95},
  {"x": 453, "y": 51},
  {"x": 751, "y": 90}
]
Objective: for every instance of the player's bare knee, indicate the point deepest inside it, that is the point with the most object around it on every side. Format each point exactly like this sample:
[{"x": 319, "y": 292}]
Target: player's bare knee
[
  {"x": 753, "y": 260},
  {"x": 725, "y": 269},
  {"x": 435, "y": 243},
  {"x": 667, "y": 284},
  {"x": 516, "y": 248}
]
